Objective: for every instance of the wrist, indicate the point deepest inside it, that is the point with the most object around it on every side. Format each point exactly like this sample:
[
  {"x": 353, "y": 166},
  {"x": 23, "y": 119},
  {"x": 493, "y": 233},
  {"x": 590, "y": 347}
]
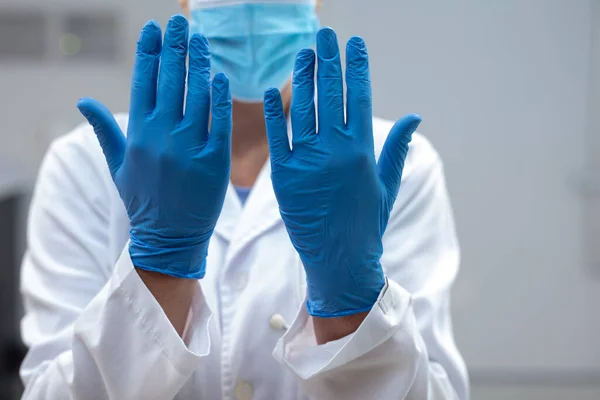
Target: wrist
[
  {"x": 174, "y": 295},
  {"x": 330, "y": 329}
]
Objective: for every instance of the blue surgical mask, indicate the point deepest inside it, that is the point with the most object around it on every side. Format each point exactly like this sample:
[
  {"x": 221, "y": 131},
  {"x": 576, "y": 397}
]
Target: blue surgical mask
[{"x": 255, "y": 42}]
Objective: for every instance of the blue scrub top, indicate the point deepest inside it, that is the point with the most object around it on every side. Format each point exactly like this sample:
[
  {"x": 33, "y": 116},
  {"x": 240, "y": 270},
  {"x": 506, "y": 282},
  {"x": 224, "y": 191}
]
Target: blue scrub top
[{"x": 243, "y": 193}]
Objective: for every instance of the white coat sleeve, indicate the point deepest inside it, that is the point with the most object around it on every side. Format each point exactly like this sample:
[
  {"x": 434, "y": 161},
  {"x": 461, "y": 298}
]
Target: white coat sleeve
[
  {"x": 404, "y": 349},
  {"x": 93, "y": 329}
]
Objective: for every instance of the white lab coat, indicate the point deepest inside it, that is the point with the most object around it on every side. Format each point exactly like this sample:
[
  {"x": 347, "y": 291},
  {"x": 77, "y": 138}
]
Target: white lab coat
[{"x": 94, "y": 331}]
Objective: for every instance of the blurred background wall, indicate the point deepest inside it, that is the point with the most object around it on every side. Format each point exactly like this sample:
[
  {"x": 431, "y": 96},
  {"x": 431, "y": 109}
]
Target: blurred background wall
[{"x": 510, "y": 95}]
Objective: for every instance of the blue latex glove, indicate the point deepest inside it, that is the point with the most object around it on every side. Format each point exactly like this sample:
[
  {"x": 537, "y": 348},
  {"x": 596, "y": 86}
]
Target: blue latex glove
[
  {"x": 171, "y": 174},
  {"x": 334, "y": 198}
]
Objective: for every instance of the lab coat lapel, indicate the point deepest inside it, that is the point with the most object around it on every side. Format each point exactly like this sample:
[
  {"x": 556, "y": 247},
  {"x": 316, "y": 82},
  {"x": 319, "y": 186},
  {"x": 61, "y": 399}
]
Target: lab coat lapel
[
  {"x": 260, "y": 213},
  {"x": 230, "y": 215}
]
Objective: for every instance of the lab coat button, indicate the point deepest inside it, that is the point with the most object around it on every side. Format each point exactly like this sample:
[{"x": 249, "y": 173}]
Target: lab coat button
[
  {"x": 277, "y": 321},
  {"x": 243, "y": 391}
]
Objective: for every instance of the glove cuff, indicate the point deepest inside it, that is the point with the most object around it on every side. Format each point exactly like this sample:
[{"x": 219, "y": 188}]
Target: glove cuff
[
  {"x": 183, "y": 259},
  {"x": 335, "y": 314},
  {"x": 348, "y": 298}
]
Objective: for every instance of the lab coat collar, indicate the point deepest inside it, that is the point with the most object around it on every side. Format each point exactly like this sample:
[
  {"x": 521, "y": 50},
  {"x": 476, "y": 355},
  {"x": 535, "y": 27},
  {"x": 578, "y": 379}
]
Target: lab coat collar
[
  {"x": 241, "y": 225},
  {"x": 232, "y": 209}
]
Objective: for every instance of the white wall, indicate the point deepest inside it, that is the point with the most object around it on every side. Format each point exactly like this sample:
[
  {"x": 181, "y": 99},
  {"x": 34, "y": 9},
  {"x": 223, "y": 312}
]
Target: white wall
[
  {"x": 38, "y": 99},
  {"x": 503, "y": 89},
  {"x": 506, "y": 91},
  {"x": 591, "y": 181}
]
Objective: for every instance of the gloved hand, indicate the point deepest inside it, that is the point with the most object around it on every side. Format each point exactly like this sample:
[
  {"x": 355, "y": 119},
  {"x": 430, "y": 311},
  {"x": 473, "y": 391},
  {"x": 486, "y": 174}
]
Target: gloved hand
[
  {"x": 171, "y": 174},
  {"x": 334, "y": 198}
]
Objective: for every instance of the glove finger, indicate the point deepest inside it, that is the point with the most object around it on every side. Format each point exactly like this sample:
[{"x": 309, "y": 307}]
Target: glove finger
[
  {"x": 393, "y": 155},
  {"x": 359, "y": 106},
  {"x": 145, "y": 70},
  {"x": 330, "y": 85},
  {"x": 171, "y": 80},
  {"x": 107, "y": 131},
  {"x": 276, "y": 124},
  {"x": 198, "y": 98},
  {"x": 220, "y": 132},
  {"x": 302, "y": 112}
]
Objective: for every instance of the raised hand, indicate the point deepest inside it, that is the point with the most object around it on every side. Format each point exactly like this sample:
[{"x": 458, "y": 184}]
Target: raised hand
[
  {"x": 334, "y": 198},
  {"x": 170, "y": 171}
]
